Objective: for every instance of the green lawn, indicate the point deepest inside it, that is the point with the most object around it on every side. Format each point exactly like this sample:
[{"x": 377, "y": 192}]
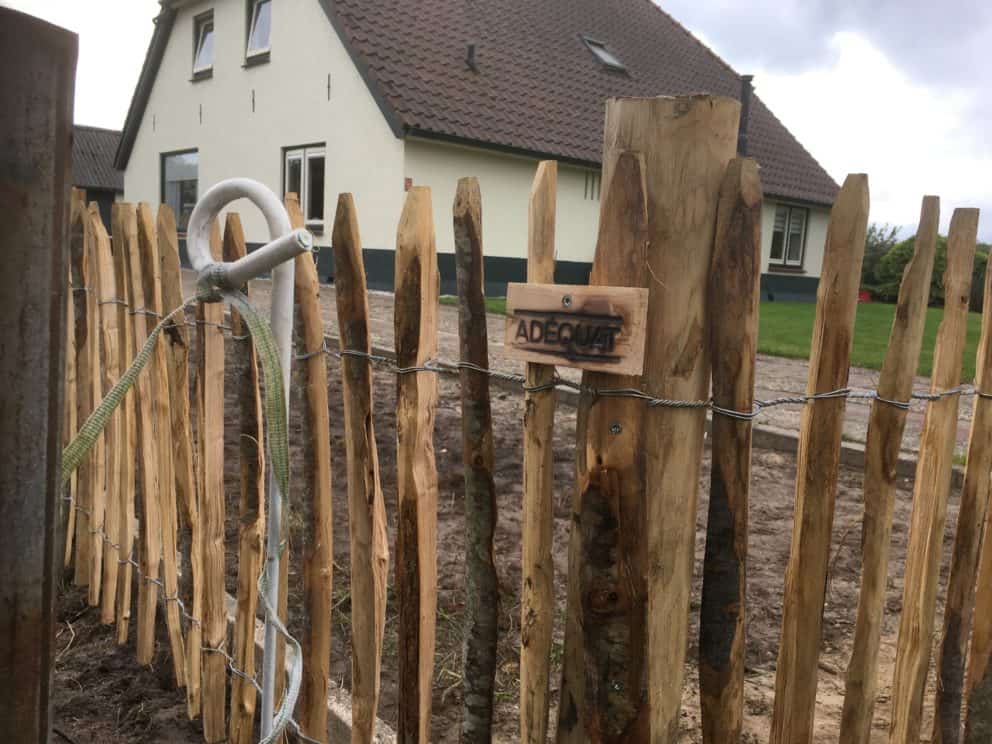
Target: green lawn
[{"x": 785, "y": 329}]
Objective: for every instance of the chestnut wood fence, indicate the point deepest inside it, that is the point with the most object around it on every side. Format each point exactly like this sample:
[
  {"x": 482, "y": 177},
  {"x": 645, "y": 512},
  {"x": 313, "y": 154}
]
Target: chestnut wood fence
[{"x": 680, "y": 216}]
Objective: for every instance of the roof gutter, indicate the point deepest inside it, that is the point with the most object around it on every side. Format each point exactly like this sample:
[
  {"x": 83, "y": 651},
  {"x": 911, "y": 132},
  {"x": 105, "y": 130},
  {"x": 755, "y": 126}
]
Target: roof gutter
[{"x": 149, "y": 70}]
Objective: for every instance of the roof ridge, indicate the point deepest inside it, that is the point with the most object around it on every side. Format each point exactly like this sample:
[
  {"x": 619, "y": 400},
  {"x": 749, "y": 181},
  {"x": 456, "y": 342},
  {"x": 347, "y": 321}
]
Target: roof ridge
[{"x": 92, "y": 128}]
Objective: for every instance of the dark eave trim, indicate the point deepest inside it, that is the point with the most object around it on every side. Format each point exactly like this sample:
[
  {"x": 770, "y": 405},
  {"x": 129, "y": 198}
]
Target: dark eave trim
[
  {"x": 393, "y": 118},
  {"x": 149, "y": 71},
  {"x": 493, "y": 147}
]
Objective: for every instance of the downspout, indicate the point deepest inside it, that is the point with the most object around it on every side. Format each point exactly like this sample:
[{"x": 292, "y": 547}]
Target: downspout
[{"x": 746, "y": 90}]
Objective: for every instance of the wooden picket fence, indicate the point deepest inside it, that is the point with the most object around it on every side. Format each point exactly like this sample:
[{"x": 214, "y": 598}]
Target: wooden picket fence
[{"x": 680, "y": 216}]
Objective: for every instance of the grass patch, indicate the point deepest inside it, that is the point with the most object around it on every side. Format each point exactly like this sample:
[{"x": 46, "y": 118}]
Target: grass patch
[{"x": 785, "y": 329}]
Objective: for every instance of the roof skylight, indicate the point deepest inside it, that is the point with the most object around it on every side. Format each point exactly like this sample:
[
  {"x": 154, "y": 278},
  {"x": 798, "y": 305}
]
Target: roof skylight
[{"x": 603, "y": 54}]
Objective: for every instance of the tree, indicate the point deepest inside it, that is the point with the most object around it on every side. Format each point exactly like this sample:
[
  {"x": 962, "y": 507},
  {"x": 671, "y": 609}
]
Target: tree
[
  {"x": 890, "y": 268},
  {"x": 878, "y": 242}
]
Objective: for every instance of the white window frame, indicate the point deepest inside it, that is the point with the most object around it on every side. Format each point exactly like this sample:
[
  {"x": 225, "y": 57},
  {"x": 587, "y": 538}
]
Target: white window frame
[
  {"x": 785, "y": 260},
  {"x": 252, "y": 20},
  {"x": 202, "y": 23},
  {"x": 304, "y": 155}
]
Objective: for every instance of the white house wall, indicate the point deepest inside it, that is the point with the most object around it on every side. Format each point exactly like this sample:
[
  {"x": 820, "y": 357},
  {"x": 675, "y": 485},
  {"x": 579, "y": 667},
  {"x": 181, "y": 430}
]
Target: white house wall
[
  {"x": 291, "y": 108},
  {"x": 505, "y": 182}
]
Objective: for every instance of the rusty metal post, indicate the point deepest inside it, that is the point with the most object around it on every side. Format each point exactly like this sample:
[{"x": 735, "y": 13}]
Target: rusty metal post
[{"x": 37, "y": 78}]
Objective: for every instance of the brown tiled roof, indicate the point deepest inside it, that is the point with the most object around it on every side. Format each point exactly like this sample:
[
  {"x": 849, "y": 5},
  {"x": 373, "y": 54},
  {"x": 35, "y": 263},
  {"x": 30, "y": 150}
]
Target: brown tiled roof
[
  {"x": 93, "y": 151},
  {"x": 537, "y": 87}
]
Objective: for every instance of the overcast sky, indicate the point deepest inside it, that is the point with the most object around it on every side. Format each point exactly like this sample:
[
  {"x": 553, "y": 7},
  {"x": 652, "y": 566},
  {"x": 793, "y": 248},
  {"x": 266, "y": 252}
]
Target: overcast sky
[{"x": 898, "y": 89}]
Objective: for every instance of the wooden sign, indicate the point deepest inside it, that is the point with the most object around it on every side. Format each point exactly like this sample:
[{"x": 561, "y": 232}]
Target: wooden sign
[{"x": 600, "y": 329}]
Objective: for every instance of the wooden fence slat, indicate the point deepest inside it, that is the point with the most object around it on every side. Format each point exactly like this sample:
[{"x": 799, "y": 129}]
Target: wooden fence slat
[
  {"x": 77, "y": 203},
  {"x": 964, "y": 562},
  {"x": 932, "y": 486},
  {"x": 885, "y": 432},
  {"x": 150, "y": 548},
  {"x": 314, "y": 495},
  {"x": 86, "y": 288},
  {"x": 251, "y": 509},
  {"x": 734, "y": 296},
  {"x": 210, "y": 410},
  {"x": 125, "y": 228},
  {"x": 607, "y": 579},
  {"x": 537, "y": 567},
  {"x": 98, "y": 457},
  {"x": 152, "y": 278},
  {"x": 369, "y": 546},
  {"x": 687, "y": 143},
  {"x": 818, "y": 460},
  {"x": 481, "y": 587},
  {"x": 416, "y": 398},
  {"x": 105, "y": 554},
  {"x": 190, "y": 541}
]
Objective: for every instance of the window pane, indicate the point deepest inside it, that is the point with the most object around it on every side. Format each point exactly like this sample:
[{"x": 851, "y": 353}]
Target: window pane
[
  {"x": 778, "y": 233},
  {"x": 205, "y": 51},
  {"x": 180, "y": 180},
  {"x": 315, "y": 184},
  {"x": 261, "y": 27},
  {"x": 797, "y": 228},
  {"x": 294, "y": 177}
]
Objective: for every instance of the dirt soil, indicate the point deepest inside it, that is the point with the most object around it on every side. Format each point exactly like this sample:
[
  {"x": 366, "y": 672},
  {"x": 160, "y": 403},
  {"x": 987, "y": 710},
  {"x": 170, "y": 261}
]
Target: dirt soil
[{"x": 101, "y": 695}]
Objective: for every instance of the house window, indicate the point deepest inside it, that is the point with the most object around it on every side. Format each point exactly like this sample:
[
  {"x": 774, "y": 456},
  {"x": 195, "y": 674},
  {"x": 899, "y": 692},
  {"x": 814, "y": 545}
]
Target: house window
[
  {"x": 180, "y": 182},
  {"x": 259, "y": 29},
  {"x": 789, "y": 235},
  {"x": 305, "y": 176},
  {"x": 604, "y": 55},
  {"x": 203, "y": 46},
  {"x": 592, "y": 186}
]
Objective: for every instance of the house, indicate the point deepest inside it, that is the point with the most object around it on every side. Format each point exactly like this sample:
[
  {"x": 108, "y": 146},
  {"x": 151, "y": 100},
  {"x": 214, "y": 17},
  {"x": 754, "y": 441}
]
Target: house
[
  {"x": 93, "y": 171},
  {"x": 324, "y": 96}
]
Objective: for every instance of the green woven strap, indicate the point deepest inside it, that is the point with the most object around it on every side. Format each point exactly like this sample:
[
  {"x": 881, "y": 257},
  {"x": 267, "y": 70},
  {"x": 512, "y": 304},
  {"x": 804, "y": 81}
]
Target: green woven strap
[{"x": 277, "y": 439}]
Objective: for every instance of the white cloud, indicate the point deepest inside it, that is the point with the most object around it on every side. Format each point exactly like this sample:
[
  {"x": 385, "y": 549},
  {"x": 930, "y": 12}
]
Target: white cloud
[
  {"x": 113, "y": 38},
  {"x": 861, "y": 113}
]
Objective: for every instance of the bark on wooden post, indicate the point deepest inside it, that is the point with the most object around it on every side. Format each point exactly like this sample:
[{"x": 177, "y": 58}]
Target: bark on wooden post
[
  {"x": 110, "y": 361},
  {"x": 152, "y": 265},
  {"x": 36, "y": 91},
  {"x": 416, "y": 398},
  {"x": 146, "y": 456},
  {"x": 933, "y": 483},
  {"x": 885, "y": 432},
  {"x": 481, "y": 588},
  {"x": 67, "y": 523},
  {"x": 190, "y": 538},
  {"x": 210, "y": 398},
  {"x": 75, "y": 303},
  {"x": 125, "y": 227},
  {"x": 818, "y": 461},
  {"x": 251, "y": 504},
  {"x": 314, "y": 492},
  {"x": 369, "y": 547},
  {"x": 537, "y": 568},
  {"x": 605, "y": 696},
  {"x": 734, "y": 298},
  {"x": 964, "y": 562},
  {"x": 687, "y": 143},
  {"x": 95, "y": 248}
]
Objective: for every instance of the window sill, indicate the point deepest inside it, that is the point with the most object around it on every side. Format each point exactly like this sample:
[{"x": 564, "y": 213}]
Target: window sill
[
  {"x": 781, "y": 269},
  {"x": 202, "y": 75},
  {"x": 259, "y": 58}
]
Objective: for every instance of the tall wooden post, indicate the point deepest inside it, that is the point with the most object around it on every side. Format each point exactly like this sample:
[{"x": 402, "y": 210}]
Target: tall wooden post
[
  {"x": 932, "y": 486},
  {"x": 818, "y": 462},
  {"x": 885, "y": 431},
  {"x": 481, "y": 587},
  {"x": 416, "y": 398},
  {"x": 37, "y": 70},
  {"x": 733, "y": 346},
  {"x": 537, "y": 567},
  {"x": 369, "y": 544},
  {"x": 687, "y": 143},
  {"x": 605, "y": 692}
]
